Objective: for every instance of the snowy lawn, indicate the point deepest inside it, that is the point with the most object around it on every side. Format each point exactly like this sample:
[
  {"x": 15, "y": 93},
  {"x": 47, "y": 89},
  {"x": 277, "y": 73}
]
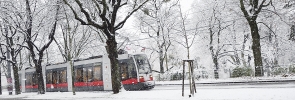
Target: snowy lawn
[
  {"x": 162, "y": 91},
  {"x": 243, "y": 79},
  {"x": 168, "y": 94}
]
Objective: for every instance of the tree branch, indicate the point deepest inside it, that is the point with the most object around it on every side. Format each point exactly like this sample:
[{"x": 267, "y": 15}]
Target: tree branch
[{"x": 121, "y": 24}]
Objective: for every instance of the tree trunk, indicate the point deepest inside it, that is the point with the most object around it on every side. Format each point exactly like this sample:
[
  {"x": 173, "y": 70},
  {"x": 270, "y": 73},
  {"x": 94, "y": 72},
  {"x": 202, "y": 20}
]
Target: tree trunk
[
  {"x": 0, "y": 82},
  {"x": 214, "y": 57},
  {"x": 251, "y": 18},
  {"x": 256, "y": 48},
  {"x": 161, "y": 61},
  {"x": 16, "y": 79},
  {"x": 40, "y": 82},
  {"x": 15, "y": 70},
  {"x": 113, "y": 55}
]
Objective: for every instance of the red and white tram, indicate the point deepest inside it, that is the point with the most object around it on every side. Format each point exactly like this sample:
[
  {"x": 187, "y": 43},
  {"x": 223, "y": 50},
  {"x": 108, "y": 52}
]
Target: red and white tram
[{"x": 92, "y": 74}]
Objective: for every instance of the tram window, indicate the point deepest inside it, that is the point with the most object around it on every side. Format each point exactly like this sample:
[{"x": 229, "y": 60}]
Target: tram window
[
  {"x": 124, "y": 70},
  {"x": 143, "y": 64},
  {"x": 34, "y": 80},
  {"x": 55, "y": 78},
  {"x": 63, "y": 76},
  {"x": 49, "y": 77},
  {"x": 127, "y": 68},
  {"x": 20, "y": 78},
  {"x": 84, "y": 75},
  {"x": 132, "y": 69},
  {"x": 89, "y": 74},
  {"x": 29, "y": 80},
  {"x": 78, "y": 75},
  {"x": 97, "y": 72}
]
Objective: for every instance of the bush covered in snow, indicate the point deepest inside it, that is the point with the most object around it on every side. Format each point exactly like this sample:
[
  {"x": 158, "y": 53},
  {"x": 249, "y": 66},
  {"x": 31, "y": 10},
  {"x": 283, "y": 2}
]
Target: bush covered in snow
[
  {"x": 279, "y": 71},
  {"x": 292, "y": 69},
  {"x": 242, "y": 71},
  {"x": 177, "y": 74}
]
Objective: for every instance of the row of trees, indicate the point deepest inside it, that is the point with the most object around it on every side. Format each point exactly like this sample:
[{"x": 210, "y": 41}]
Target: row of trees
[
  {"x": 250, "y": 33},
  {"x": 32, "y": 31},
  {"x": 31, "y": 26}
]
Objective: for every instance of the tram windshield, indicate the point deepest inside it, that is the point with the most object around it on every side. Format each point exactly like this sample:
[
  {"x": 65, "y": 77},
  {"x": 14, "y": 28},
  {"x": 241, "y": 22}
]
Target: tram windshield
[
  {"x": 127, "y": 68},
  {"x": 143, "y": 64}
]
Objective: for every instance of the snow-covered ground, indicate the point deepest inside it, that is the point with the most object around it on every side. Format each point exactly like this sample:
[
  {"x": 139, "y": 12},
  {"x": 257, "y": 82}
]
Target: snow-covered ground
[
  {"x": 163, "y": 91},
  {"x": 169, "y": 94},
  {"x": 243, "y": 79}
]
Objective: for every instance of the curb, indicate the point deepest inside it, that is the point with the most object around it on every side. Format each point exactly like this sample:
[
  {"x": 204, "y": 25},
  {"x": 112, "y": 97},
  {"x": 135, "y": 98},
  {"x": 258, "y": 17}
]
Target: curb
[{"x": 238, "y": 82}]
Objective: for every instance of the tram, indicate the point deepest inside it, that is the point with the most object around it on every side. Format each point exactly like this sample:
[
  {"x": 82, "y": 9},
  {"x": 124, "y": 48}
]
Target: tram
[{"x": 91, "y": 74}]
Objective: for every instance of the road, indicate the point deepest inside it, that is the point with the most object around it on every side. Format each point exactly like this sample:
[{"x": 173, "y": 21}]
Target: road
[{"x": 231, "y": 85}]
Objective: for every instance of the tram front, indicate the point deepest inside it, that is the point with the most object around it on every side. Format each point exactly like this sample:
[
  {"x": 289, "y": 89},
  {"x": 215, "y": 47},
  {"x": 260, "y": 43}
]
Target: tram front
[{"x": 136, "y": 72}]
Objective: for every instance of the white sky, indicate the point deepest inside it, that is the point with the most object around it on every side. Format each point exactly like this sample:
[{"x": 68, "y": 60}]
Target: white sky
[{"x": 186, "y": 4}]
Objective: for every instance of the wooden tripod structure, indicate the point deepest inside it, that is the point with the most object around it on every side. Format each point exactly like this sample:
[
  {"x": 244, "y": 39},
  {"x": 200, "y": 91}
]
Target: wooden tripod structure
[{"x": 191, "y": 77}]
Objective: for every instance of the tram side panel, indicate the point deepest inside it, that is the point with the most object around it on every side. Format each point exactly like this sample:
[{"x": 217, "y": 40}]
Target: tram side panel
[
  {"x": 69, "y": 76},
  {"x": 22, "y": 80},
  {"x": 31, "y": 84},
  {"x": 107, "y": 79},
  {"x": 88, "y": 75},
  {"x": 56, "y": 78}
]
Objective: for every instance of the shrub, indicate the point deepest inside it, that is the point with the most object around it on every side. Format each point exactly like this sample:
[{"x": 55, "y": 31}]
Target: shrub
[
  {"x": 279, "y": 71},
  {"x": 292, "y": 69},
  {"x": 242, "y": 71}
]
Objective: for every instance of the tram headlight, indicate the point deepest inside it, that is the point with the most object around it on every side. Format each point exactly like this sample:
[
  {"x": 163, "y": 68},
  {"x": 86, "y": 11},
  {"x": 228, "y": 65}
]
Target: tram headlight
[
  {"x": 141, "y": 79},
  {"x": 151, "y": 77}
]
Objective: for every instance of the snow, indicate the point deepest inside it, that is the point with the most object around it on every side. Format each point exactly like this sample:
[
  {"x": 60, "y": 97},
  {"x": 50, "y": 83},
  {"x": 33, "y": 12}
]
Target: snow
[
  {"x": 228, "y": 80},
  {"x": 202, "y": 94},
  {"x": 164, "y": 91}
]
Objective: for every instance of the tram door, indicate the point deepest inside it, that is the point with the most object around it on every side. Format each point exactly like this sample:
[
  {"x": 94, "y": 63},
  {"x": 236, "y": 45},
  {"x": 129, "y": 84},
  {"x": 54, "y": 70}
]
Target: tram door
[
  {"x": 83, "y": 77},
  {"x": 55, "y": 80},
  {"x": 88, "y": 73}
]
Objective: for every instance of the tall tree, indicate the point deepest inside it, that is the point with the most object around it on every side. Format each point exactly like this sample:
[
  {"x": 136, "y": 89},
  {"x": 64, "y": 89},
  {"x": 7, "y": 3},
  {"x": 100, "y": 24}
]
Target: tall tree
[
  {"x": 11, "y": 41},
  {"x": 251, "y": 15},
  {"x": 289, "y": 7},
  {"x": 187, "y": 36},
  {"x": 74, "y": 37},
  {"x": 158, "y": 21},
  {"x": 105, "y": 17},
  {"x": 37, "y": 52},
  {"x": 13, "y": 46},
  {"x": 74, "y": 40},
  {"x": 216, "y": 47}
]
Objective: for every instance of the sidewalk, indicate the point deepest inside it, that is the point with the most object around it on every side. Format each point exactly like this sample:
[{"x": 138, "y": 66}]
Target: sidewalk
[{"x": 246, "y": 80}]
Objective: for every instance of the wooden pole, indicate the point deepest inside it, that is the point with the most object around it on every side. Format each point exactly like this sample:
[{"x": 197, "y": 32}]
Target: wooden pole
[
  {"x": 183, "y": 72},
  {"x": 190, "y": 76},
  {"x": 194, "y": 84}
]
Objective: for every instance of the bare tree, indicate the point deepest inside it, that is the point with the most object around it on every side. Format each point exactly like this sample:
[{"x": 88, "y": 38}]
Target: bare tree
[
  {"x": 251, "y": 15},
  {"x": 215, "y": 46},
  {"x": 12, "y": 50},
  {"x": 188, "y": 36},
  {"x": 158, "y": 21},
  {"x": 37, "y": 52},
  {"x": 12, "y": 42},
  {"x": 75, "y": 38},
  {"x": 105, "y": 17},
  {"x": 74, "y": 41}
]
